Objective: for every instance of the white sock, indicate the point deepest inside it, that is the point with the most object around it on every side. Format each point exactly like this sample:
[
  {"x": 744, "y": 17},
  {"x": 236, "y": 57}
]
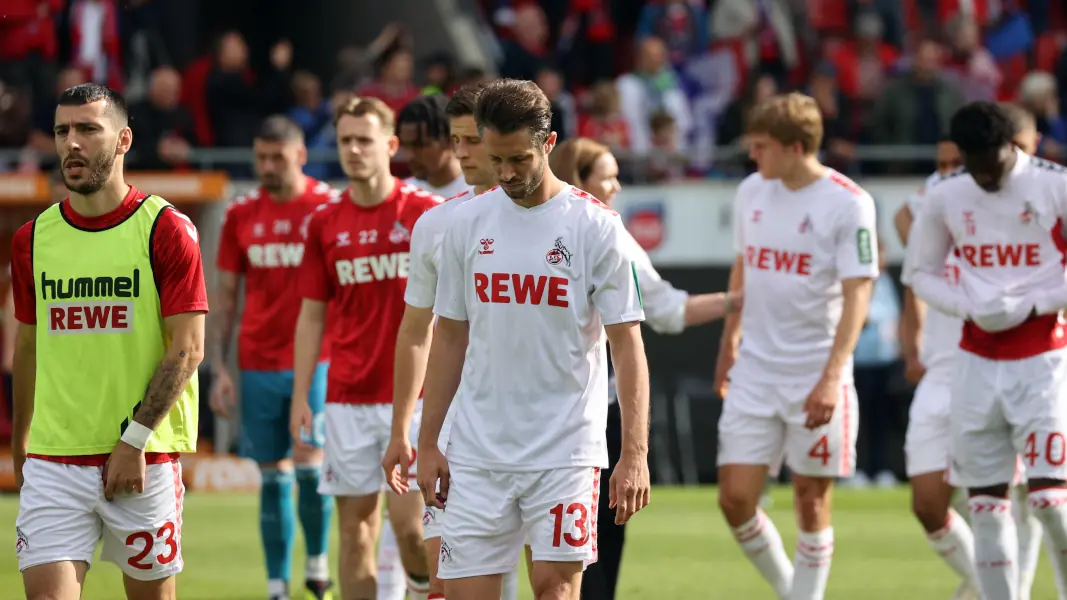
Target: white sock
[
  {"x": 955, "y": 545},
  {"x": 996, "y": 547},
  {"x": 317, "y": 568},
  {"x": 277, "y": 587},
  {"x": 418, "y": 590},
  {"x": 1049, "y": 506},
  {"x": 815, "y": 551},
  {"x": 391, "y": 573},
  {"x": 1030, "y": 533},
  {"x": 510, "y": 590},
  {"x": 762, "y": 544}
]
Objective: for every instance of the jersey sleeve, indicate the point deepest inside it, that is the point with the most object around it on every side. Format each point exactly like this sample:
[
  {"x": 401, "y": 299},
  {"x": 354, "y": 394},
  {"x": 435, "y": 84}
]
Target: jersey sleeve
[
  {"x": 924, "y": 261},
  {"x": 230, "y": 257},
  {"x": 422, "y": 270},
  {"x": 315, "y": 283},
  {"x": 614, "y": 276},
  {"x": 450, "y": 301},
  {"x": 22, "y": 285},
  {"x": 739, "y": 215},
  {"x": 857, "y": 243},
  {"x": 178, "y": 265},
  {"x": 664, "y": 304}
]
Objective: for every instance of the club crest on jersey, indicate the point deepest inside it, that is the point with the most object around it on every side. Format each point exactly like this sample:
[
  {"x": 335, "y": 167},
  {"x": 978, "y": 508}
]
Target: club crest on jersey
[
  {"x": 805, "y": 226},
  {"x": 282, "y": 227},
  {"x": 559, "y": 253},
  {"x": 487, "y": 246},
  {"x": 399, "y": 234},
  {"x": 259, "y": 230},
  {"x": 756, "y": 214},
  {"x": 968, "y": 222},
  {"x": 344, "y": 239},
  {"x": 1028, "y": 214}
]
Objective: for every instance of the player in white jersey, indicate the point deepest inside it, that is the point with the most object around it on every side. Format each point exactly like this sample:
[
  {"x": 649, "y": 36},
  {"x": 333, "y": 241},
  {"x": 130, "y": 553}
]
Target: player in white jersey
[
  {"x": 1003, "y": 219},
  {"x": 534, "y": 276},
  {"x": 807, "y": 257},
  {"x": 416, "y": 328},
  {"x": 426, "y": 146}
]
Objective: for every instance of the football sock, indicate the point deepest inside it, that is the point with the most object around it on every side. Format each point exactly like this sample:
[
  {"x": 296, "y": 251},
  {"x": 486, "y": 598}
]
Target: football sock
[
  {"x": 1030, "y": 533},
  {"x": 390, "y": 570},
  {"x": 1049, "y": 506},
  {"x": 955, "y": 545},
  {"x": 815, "y": 551},
  {"x": 277, "y": 522},
  {"x": 436, "y": 597},
  {"x": 996, "y": 547},
  {"x": 762, "y": 544},
  {"x": 510, "y": 591},
  {"x": 315, "y": 512},
  {"x": 418, "y": 587}
]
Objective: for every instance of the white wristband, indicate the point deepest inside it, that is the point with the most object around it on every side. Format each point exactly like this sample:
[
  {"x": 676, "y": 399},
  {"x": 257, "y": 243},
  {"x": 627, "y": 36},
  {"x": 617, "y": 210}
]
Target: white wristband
[{"x": 137, "y": 435}]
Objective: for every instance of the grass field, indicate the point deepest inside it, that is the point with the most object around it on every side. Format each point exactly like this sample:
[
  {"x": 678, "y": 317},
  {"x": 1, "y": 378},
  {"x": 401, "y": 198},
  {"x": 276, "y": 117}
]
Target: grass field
[{"x": 677, "y": 548}]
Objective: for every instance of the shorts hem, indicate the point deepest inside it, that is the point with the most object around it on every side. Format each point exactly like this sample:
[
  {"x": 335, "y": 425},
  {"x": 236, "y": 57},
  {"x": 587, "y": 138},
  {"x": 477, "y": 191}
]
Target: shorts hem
[
  {"x": 562, "y": 559},
  {"x": 23, "y": 565},
  {"x": 917, "y": 471},
  {"x": 348, "y": 492},
  {"x": 482, "y": 571},
  {"x": 150, "y": 576},
  {"x": 746, "y": 462}
]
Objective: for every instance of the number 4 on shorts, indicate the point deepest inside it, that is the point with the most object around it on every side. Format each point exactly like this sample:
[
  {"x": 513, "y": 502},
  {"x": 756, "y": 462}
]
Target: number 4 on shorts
[{"x": 821, "y": 450}]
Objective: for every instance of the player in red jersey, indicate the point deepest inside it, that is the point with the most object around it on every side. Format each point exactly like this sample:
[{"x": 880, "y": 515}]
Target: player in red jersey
[
  {"x": 356, "y": 260},
  {"x": 262, "y": 242}
]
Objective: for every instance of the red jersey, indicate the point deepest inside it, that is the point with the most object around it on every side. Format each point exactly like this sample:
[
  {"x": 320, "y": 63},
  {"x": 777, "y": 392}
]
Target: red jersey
[
  {"x": 262, "y": 240},
  {"x": 356, "y": 258}
]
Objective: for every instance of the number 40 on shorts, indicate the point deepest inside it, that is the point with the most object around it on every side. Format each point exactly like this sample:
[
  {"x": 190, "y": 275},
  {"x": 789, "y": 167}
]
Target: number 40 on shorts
[{"x": 1052, "y": 449}]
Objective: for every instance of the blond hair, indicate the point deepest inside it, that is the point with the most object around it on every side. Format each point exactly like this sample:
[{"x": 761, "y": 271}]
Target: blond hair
[
  {"x": 789, "y": 118},
  {"x": 573, "y": 159},
  {"x": 358, "y": 106}
]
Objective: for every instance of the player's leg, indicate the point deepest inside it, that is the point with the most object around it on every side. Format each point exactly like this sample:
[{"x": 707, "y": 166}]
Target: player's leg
[
  {"x": 265, "y": 439},
  {"x": 314, "y": 509},
  {"x": 559, "y": 511},
  {"x": 817, "y": 457},
  {"x": 600, "y": 578},
  {"x": 142, "y": 533},
  {"x": 1030, "y": 535},
  {"x": 481, "y": 538},
  {"x": 406, "y": 512},
  {"x": 750, "y": 440},
  {"x": 926, "y": 448},
  {"x": 392, "y": 582},
  {"x": 56, "y": 529},
  {"x": 984, "y": 461}
]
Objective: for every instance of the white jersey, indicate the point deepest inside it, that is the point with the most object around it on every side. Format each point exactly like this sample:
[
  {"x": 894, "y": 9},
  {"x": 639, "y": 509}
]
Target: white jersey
[
  {"x": 1010, "y": 245},
  {"x": 797, "y": 246},
  {"x": 537, "y": 286},
  {"x": 941, "y": 331},
  {"x": 455, "y": 188},
  {"x": 426, "y": 238}
]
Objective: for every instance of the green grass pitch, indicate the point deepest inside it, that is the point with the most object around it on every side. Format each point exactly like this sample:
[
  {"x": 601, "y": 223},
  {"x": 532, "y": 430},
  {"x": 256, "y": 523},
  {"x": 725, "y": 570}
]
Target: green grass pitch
[{"x": 677, "y": 548}]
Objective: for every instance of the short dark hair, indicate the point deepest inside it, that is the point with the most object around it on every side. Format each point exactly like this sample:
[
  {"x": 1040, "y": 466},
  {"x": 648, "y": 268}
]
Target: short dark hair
[
  {"x": 279, "y": 128},
  {"x": 1021, "y": 118},
  {"x": 981, "y": 127},
  {"x": 429, "y": 111},
  {"x": 464, "y": 101},
  {"x": 87, "y": 93},
  {"x": 511, "y": 105}
]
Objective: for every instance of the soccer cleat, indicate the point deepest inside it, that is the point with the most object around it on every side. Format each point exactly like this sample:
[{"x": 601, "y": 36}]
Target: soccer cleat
[
  {"x": 318, "y": 590},
  {"x": 966, "y": 592}
]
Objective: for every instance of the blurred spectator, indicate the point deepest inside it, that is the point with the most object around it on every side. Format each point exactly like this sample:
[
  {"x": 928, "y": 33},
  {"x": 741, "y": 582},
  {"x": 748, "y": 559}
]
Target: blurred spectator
[
  {"x": 970, "y": 67},
  {"x": 652, "y": 87},
  {"x": 1038, "y": 95},
  {"x": 586, "y": 41},
  {"x": 766, "y": 29},
  {"x": 311, "y": 112},
  {"x": 395, "y": 83},
  {"x": 731, "y": 126},
  {"x": 604, "y": 122},
  {"x": 164, "y": 128},
  {"x": 528, "y": 52},
  {"x": 863, "y": 63},
  {"x": 40, "y": 150},
  {"x": 564, "y": 108},
  {"x": 94, "y": 31},
  {"x": 838, "y": 133},
  {"x": 29, "y": 44},
  {"x": 440, "y": 71},
  {"x": 16, "y": 111},
  {"x": 665, "y": 163},
  {"x": 916, "y": 108},
  {"x": 681, "y": 24},
  {"x": 236, "y": 99},
  {"x": 326, "y": 139}
]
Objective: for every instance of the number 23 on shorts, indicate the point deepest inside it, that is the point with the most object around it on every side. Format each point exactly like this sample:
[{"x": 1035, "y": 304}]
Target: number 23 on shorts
[{"x": 164, "y": 544}]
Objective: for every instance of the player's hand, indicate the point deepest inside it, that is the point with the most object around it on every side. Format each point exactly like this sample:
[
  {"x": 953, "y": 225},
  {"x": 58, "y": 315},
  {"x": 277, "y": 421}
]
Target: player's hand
[
  {"x": 630, "y": 487},
  {"x": 223, "y": 396},
  {"x": 913, "y": 369},
  {"x": 723, "y": 364},
  {"x": 399, "y": 455},
  {"x": 433, "y": 476},
  {"x": 124, "y": 471},
  {"x": 18, "y": 456},
  {"x": 1001, "y": 313},
  {"x": 300, "y": 421},
  {"x": 821, "y": 402}
]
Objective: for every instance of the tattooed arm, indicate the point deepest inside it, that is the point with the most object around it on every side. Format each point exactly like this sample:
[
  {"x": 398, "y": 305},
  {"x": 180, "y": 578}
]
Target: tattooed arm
[{"x": 186, "y": 350}]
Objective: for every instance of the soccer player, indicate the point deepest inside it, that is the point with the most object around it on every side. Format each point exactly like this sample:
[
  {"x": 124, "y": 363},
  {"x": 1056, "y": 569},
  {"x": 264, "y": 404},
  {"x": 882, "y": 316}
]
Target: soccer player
[
  {"x": 1003, "y": 215},
  {"x": 356, "y": 261},
  {"x": 261, "y": 242},
  {"x": 532, "y": 275},
  {"x": 111, "y": 302},
  {"x": 807, "y": 257},
  {"x": 426, "y": 145}
]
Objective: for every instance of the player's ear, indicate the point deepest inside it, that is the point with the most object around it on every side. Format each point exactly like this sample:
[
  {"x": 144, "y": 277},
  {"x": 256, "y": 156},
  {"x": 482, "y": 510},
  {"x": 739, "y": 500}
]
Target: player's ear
[
  {"x": 302, "y": 155},
  {"x": 394, "y": 145},
  {"x": 550, "y": 142},
  {"x": 125, "y": 141}
]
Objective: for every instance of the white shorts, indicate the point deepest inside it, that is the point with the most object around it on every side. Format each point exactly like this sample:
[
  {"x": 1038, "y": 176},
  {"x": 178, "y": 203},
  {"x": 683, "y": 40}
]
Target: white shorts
[
  {"x": 928, "y": 440},
  {"x": 356, "y": 438},
  {"x": 63, "y": 514},
  {"x": 1004, "y": 408},
  {"x": 491, "y": 515},
  {"x": 432, "y": 518},
  {"x": 761, "y": 421}
]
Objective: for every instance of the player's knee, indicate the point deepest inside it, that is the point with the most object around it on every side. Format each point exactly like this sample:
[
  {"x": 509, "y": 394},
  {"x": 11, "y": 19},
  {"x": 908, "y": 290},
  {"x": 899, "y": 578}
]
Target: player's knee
[
  {"x": 307, "y": 456},
  {"x": 555, "y": 584},
  {"x": 932, "y": 514},
  {"x": 284, "y": 465},
  {"x": 738, "y": 504},
  {"x": 811, "y": 500}
]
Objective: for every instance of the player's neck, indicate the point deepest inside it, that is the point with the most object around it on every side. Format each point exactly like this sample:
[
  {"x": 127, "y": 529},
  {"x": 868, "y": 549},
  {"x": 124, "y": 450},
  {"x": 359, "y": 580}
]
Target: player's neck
[
  {"x": 292, "y": 192},
  {"x": 805, "y": 173},
  {"x": 101, "y": 202},
  {"x": 446, "y": 175},
  {"x": 373, "y": 191},
  {"x": 550, "y": 186},
  {"x": 481, "y": 189}
]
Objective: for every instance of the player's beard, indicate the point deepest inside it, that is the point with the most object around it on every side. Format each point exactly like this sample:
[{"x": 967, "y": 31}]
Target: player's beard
[
  {"x": 99, "y": 171},
  {"x": 272, "y": 183},
  {"x": 537, "y": 175}
]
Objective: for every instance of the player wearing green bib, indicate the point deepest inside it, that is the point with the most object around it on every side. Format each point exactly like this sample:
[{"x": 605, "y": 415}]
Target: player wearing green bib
[{"x": 110, "y": 298}]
